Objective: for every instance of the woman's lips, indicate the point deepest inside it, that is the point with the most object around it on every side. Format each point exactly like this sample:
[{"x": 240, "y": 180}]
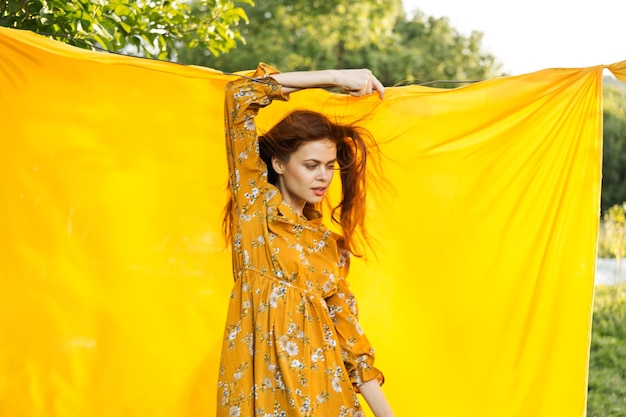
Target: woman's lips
[{"x": 319, "y": 191}]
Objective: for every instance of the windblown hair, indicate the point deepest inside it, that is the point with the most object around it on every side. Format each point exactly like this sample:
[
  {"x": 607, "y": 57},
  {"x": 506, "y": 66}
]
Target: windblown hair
[{"x": 302, "y": 126}]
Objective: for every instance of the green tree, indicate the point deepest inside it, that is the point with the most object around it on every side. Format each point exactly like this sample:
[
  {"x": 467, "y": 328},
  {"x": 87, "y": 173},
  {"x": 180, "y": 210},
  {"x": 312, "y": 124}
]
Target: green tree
[
  {"x": 430, "y": 49},
  {"x": 304, "y": 34},
  {"x": 300, "y": 34},
  {"x": 153, "y": 28},
  {"x": 614, "y": 149}
]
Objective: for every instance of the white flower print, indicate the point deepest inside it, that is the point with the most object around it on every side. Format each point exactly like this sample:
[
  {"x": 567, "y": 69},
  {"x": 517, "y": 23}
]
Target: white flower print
[
  {"x": 279, "y": 380},
  {"x": 333, "y": 310},
  {"x": 235, "y": 411},
  {"x": 291, "y": 348},
  {"x": 234, "y": 332},
  {"x": 306, "y": 406},
  {"x": 271, "y": 193},
  {"x": 249, "y": 341},
  {"x": 328, "y": 284},
  {"x": 249, "y": 124},
  {"x": 336, "y": 384},
  {"x": 330, "y": 337},
  {"x": 276, "y": 293},
  {"x": 317, "y": 355},
  {"x": 237, "y": 241},
  {"x": 317, "y": 246},
  {"x": 252, "y": 196},
  {"x": 273, "y": 299}
]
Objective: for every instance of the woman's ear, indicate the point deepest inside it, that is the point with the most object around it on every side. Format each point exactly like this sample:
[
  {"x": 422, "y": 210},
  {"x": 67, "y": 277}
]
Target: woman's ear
[{"x": 278, "y": 165}]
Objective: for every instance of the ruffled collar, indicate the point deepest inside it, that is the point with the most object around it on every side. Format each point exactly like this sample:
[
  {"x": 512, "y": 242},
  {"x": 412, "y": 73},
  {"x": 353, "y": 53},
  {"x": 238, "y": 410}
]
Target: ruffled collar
[{"x": 310, "y": 216}]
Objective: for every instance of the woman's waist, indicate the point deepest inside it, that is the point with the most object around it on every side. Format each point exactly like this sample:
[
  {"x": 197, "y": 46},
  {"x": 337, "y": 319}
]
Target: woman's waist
[{"x": 309, "y": 284}]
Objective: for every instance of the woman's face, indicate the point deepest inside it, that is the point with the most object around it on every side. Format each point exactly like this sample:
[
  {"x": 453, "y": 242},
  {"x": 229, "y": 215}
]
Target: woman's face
[{"x": 307, "y": 174}]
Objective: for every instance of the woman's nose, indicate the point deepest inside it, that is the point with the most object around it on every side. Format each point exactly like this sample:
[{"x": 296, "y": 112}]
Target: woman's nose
[{"x": 323, "y": 173}]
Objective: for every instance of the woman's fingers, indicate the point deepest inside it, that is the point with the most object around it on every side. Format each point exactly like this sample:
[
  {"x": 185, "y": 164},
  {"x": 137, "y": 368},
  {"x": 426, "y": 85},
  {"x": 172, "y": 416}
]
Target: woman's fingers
[
  {"x": 364, "y": 82},
  {"x": 378, "y": 86}
]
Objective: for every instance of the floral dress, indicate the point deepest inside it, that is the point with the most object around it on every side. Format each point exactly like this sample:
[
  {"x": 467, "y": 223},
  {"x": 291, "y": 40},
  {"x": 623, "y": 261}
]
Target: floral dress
[{"x": 292, "y": 344}]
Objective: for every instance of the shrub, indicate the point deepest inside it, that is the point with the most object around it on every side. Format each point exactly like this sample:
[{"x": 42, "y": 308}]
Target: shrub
[{"x": 607, "y": 362}]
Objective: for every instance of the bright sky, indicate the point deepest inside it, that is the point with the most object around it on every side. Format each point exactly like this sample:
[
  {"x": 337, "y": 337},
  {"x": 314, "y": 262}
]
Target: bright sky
[{"x": 531, "y": 35}]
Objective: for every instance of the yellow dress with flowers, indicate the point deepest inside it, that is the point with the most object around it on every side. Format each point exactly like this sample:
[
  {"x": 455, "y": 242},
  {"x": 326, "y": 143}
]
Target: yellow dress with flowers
[{"x": 292, "y": 343}]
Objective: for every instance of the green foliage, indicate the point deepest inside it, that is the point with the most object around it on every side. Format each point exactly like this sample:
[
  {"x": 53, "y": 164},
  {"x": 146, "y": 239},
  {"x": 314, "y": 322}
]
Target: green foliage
[
  {"x": 614, "y": 147},
  {"x": 153, "y": 28},
  {"x": 614, "y": 231},
  {"x": 302, "y": 35},
  {"x": 607, "y": 363},
  {"x": 604, "y": 243},
  {"x": 430, "y": 49}
]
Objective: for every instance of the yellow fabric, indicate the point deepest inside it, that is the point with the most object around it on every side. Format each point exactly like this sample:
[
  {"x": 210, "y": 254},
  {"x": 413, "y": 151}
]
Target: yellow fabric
[
  {"x": 619, "y": 70},
  {"x": 114, "y": 279}
]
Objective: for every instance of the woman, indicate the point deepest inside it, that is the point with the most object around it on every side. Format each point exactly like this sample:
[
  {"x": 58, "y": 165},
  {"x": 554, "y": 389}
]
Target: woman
[{"x": 292, "y": 344}]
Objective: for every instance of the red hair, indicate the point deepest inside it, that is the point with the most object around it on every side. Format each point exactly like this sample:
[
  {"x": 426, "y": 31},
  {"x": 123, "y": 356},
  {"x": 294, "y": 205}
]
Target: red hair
[{"x": 352, "y": 142}]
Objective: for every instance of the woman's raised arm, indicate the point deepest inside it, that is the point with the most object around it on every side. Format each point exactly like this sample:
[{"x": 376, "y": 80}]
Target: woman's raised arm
[{"x": 357, "y": 82}]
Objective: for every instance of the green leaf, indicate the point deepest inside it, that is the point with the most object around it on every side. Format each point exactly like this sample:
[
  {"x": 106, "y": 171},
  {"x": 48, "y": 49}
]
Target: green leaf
[
  {"x": 125, "y": 27},
  {"x": 123, "y": 10}
]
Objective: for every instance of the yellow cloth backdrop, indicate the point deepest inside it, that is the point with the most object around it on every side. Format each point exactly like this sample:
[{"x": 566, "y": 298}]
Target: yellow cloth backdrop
[{"x": 114, "y": 276}]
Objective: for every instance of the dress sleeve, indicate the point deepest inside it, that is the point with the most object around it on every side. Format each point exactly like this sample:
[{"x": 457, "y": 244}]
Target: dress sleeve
[
  {"x": 243, "y": 99},
  {"x": 358, "y": 353}
]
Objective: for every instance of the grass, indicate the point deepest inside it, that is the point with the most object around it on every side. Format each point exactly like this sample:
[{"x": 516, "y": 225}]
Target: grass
[{"x": 607, "y": 363}]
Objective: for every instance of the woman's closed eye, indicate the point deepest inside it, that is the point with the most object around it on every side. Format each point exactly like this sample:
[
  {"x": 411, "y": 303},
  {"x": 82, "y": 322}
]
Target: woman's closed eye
[{"x": 313, "y": 165}]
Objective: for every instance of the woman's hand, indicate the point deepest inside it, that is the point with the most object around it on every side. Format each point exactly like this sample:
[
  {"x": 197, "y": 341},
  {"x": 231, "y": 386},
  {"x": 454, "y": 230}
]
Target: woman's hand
[
  {"x": 356, "y": 82},
  {"x": 359, "y": 82}
]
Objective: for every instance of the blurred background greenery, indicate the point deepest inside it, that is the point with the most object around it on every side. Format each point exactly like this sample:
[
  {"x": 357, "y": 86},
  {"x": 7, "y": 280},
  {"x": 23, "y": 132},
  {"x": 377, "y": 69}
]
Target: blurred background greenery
[{"x": 607, "y": 362}]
